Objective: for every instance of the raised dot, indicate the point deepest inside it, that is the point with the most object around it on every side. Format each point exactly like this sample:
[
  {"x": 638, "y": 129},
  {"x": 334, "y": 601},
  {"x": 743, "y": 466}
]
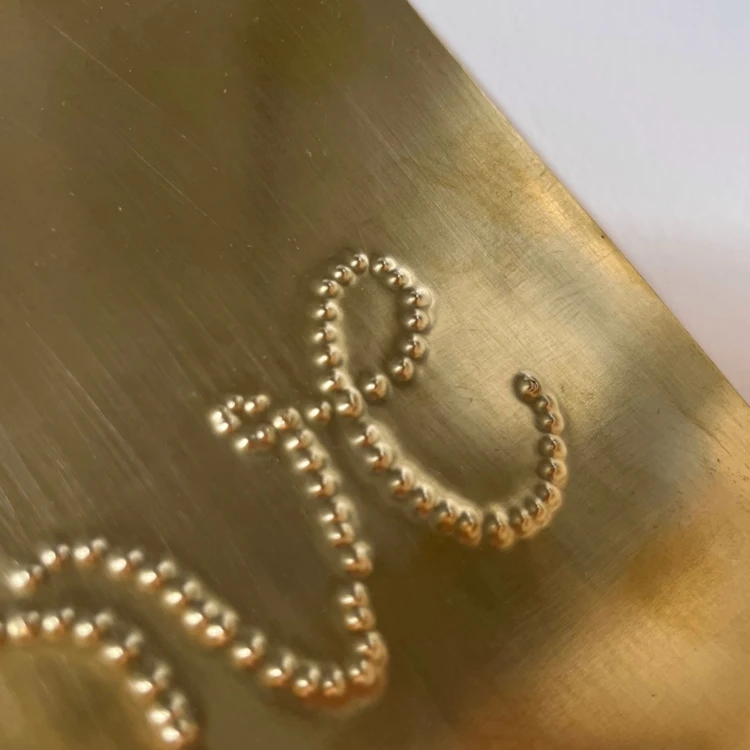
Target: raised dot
[
  {"x": 261, "y": 438},
  {"x": 383, "y": 266},
  {"x": 469, "y": 527},
  {"x": 343, "y": 274},
  {"x": 372, "y": 646},
  {"x": 363, "y": 673},
  {"x": 221, "y": 630},
  {"x": 320, "y": 413},
  {"x": 399, "y": 278},
  {"x": 526, "y": 386},
  {"x": 85, "y": 632},
  {"x": 212, "y": 608},
  {"x": 223, "y": 422},
  {"x": 123, "y": 652},
  {"x": 54, "y": 558},
  {"x": 380, "y": 457},
  {"x": 369, "y": 436},
  {"x": 133, "y": 643},
  {"x": 23, "y": 582},
  {"x": 159, "y": 715},
  {"x": 243, "y": 444},
  {"x": 300, "y": 440},
  {"x": 150, "y": 686},
  {"x": 359, "y": 620},
  {"x": 551, "y": 422},
  {"x": 181, "y": 734},
  {"x": 21, "y": 629},
  {"x": 162, "y": 675},
  {"x": 333, "y": 682},
  {"x": 331, "y": 356},
  {"x": 256, "y": 405},
  {"x": 194, "y": 589},
  {"x": 544, "y": 403},
  {"x": 149, "y": 579},
  {"x": 376, "y": 387},
  {"x": 326, "y": 334},
  {"x": 53, "y": 625},
  {"x": 423, "y": 499},
  {"x": 168, "y": 569},
  {"x": 354, "y": 595},
  {"x": 359, "y": 263},
  {"x": 279, "y": 672},
  {"x": 521, "y": 521},
  {"x": 326, "y": 311},
  {"x": 418, "y": 297},
  {"x": 234, "y": 403},
  {"x": 357, "y": 560},
  {"x": 334, "y": 383},
  {"x": 418, "y": 321},
  {"x": 337, "y": 511},
  {"x": 340, "y": 534},
  {"x": 554, "y": 471},
  {"x": 306, "y": 681},
  {"x": 311, "y": 460},
  {"x": 328, "y": 288},
  {"x": 498, "y": 528},
  {"x": 350, "y": 404},
  {"x": 174, "y": 598},
  {"x": 549, "y": 495},
  {"x": 403, "y": 370},
  {"x": 194, "y": 620},
  {"x": 324, "y": 485},
  {"x": 402, "y": 480},
  {"x": 537, "y": 510},
  {"x": 142, "y": 687},
  {"x": 249, "y": 651},
  {"x": 415, "y": 347},
  {"x": 552, "y": 446},
  {"x": 123, "y": 566},
  {"x": 179, "y": 705},
  {"x": 153, "y": 578},
  {"x": 264, "y": 436},
  {"x": 446, "y": 514},
  {"x": 287, "y": 419}
]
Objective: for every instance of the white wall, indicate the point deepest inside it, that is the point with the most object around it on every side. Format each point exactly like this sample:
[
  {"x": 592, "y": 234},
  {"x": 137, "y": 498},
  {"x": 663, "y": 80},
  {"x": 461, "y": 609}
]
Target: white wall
[{"x": 642, "y": 109}]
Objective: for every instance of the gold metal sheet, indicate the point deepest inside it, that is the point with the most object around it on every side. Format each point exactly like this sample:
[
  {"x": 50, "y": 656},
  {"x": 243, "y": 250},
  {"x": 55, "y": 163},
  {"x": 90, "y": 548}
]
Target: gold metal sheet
[{"x": 174, "y": 178}]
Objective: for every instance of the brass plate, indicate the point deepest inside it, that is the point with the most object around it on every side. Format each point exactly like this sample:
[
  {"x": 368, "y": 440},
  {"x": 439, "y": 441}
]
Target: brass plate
[{"x": 175, "y": 178}]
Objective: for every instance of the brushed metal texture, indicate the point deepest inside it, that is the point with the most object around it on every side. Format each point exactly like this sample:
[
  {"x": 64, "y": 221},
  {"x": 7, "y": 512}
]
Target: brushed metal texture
[{"x": 311, "y": 202}]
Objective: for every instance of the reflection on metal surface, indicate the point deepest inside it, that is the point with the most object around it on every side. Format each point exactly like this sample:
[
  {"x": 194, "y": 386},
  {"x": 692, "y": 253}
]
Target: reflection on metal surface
[{"x": 173, "y": 176}]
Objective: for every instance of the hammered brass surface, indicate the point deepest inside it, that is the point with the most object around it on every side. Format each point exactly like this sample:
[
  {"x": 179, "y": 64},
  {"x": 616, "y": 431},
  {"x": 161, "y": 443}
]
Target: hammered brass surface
[{"x": 174, "y": 177}]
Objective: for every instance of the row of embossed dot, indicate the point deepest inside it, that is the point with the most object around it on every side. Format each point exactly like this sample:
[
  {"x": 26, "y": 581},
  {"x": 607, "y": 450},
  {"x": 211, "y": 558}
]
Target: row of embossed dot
[
  {"x": 307, "y": 457},
  {"x": 215, "y": 626},
  {"x": 450, "y": 514},
  {"x": 417, "y": 321},
  {"x": 459, "y": 516},
  {"x": 150, "y": 681}
]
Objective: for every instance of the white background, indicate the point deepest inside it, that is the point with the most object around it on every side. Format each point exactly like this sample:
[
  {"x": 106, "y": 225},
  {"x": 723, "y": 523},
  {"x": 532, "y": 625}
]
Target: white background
[{"x": 642, "y": 109}]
